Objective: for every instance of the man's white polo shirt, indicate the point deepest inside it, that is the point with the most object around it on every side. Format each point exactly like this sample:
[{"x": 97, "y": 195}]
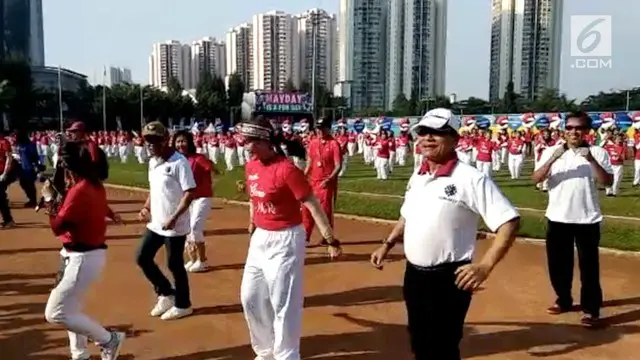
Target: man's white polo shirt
[
  {"x": 442, "y": 211},
  {"x": 573, "y": 193},
  {"x": 168, "y": 180}
]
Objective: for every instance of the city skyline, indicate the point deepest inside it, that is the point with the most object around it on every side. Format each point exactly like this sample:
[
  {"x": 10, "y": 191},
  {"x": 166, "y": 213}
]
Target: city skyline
[{"x": 468, "y": 39}]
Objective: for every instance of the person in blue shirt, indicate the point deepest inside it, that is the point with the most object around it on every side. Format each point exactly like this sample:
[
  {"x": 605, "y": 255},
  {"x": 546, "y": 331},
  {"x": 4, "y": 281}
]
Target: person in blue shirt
[{"x": 30, "y": 166}]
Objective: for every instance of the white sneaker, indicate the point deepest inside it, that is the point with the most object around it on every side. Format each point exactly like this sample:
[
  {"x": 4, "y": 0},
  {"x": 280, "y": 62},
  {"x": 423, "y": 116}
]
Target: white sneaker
[
  {"x": 198, "y": 266},
  {"x": 188, "y": 265},
  {"x": 111, "y": 350},
  {"x": 176, "y": 313},
  {"x": 162, "y": 306}
]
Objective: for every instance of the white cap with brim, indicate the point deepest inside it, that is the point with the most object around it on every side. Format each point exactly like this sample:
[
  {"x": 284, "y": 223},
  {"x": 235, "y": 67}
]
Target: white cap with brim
[{"x": 438, "y": 119}]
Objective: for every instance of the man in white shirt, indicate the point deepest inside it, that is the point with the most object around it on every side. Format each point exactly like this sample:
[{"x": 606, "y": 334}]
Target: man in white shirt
[
  {"x": 573, "y": 215},
  {"x": 439, "y": 223},
  {"x": 171, "y": 186}
]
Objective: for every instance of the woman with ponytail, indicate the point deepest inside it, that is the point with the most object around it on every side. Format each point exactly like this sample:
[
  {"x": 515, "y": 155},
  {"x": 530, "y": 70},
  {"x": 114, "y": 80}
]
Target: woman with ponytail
[
  {"x": 79, "y": 222},
  {"x": 272, "y": 290}
]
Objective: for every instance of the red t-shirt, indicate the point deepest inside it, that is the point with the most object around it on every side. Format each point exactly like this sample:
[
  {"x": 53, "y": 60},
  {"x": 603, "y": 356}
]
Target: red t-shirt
[
  {"x": 383, "y": 147},
  {"x": 201, "y": 167},
  {"x": 325, "y": 155},
  {"x": 515, "y": 145},
  {"x": 80, "y": 222},
  {"x": 485, "y": 148},
  {"x": 616, "y": 153},
  {"x": 5, "y": 151},
  {"x": 276, "y": 190}
]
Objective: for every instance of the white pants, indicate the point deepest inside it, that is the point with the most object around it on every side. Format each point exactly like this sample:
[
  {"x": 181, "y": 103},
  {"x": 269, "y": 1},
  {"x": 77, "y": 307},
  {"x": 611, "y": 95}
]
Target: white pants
[
  {"x": 417, "y": 161},
  {"x": 272, "y": 292},
  {"x": 351, "y": 148},
  {"x": 214, "y": 152},
  {"x": 140, "y": 153},
  {"x": 495, "y": 160},
  {"x": 229, "y": 157},
  {"x": 199, "y": 212},
  {"x": 123, "y": 152},
  {"x": 464, "y": 156},
  {"x": 636, "y": 172},
  {"x": 484, "y": 167},
  {"x": 401, "y": 156},
  {"x": 515, "y": 165},
  {"x": 64, "y": 306},
  {"x": 345, "y": 161},
  {"x": 614, "y": 189},
  {"x": 368, "y": 154},
  {"x": 381, "y": 165},
  {"x": 361, "y": 146},
  {"x": 503, "y": 155},
  {"x": 241, "y": 155},
  {"x": 474, "y": 155},
  {"x": 392, "y": 157}
]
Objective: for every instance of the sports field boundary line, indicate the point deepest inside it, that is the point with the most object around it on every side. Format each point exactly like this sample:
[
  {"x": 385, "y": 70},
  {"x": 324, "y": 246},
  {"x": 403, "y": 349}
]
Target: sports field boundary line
[
  {"x": 399, "y": 197},
  {"x": 483, "y": 234}
]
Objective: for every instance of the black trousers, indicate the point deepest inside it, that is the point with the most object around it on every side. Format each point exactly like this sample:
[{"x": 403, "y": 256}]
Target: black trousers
[
  {"x": 174, "y": 247},
  {"x": 28, "y": 184},
  {"x": 5, "y": 208},
  {"x": 561, "y": 238},
  {"x": 436, "y": 309}
]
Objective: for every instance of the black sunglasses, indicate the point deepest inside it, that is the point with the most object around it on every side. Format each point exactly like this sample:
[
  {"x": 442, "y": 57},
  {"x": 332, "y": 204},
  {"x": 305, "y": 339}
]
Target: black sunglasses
[
  {"x": 570, "y": 127},
  {"x": 424, "y": 131}
]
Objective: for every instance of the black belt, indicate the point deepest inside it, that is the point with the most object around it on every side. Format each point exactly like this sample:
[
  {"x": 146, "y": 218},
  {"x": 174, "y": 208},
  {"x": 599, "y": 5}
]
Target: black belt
[
  {"x": 440, "y": 267},
  {"x": 82, "y": 248}
]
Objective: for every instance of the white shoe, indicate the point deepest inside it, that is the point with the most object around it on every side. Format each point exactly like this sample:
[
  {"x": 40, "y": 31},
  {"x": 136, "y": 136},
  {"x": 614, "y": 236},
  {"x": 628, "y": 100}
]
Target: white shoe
[
  {"x": 198, "y": 266},
  {"x": 188, "y": 265},
  {"x": 176, "y": 313},
  {"x": 111, "y": 350},
  {"x": 162, "y": 306}
]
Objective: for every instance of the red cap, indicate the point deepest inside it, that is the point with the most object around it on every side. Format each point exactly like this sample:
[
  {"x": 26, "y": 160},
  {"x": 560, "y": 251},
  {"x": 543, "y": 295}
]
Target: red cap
[{"x": 77, "y": 126}]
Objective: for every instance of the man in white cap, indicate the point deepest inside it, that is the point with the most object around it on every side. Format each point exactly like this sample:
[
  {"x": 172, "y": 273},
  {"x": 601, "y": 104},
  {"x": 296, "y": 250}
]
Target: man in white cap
[{"x": 438, "y": 224}]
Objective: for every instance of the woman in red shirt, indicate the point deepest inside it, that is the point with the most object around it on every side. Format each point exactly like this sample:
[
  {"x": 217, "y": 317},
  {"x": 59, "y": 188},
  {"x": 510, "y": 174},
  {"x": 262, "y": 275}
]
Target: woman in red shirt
[
  {"x": 200, "y": 207},
  {"x": 383, "y": 153},
  {"x": 617, "y": 154},
  {"x": 485, "y": 148},
  {"x": 515, "y": 147},
  {"x": 79, "y": 222},
  {"x": 272, "y": 290}
]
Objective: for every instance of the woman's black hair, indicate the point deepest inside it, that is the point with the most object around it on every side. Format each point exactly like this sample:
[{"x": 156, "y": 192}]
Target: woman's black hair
[
  {"x": 75, "y": 157},
  {"x": 294, "y": 147},
  {"x": 191, "y": 144},
  {"x": 22, "y": 137}
]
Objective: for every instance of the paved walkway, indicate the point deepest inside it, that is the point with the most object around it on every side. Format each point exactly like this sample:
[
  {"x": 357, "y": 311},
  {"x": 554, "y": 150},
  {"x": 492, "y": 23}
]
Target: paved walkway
[{"x": 352, "y": 311}]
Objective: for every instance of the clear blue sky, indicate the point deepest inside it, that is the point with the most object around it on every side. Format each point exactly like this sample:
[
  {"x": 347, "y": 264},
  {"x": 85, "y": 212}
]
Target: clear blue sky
[{"x": 85, "y": 35}]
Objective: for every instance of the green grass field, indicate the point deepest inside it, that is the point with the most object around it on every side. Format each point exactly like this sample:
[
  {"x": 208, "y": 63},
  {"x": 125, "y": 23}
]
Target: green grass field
[{"x": 359, "y": 183}]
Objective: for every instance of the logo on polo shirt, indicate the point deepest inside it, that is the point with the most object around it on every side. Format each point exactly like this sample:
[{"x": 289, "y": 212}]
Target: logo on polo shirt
[
  {"x": 450, "y": 190},
  {"x": 167, "y": 170}
]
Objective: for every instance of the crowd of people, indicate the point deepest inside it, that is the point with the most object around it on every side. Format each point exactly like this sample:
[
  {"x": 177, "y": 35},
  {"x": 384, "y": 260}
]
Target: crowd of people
[{"x": 292, "y": 182}]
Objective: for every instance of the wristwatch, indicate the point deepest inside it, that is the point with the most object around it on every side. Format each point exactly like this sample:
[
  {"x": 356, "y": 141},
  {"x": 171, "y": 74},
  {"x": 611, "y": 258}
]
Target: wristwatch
[{"x": 388, "y": 243}]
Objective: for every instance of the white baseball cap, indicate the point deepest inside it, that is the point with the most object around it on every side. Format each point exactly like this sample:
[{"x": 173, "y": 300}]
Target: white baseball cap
[{"x": 437, "y": 119}]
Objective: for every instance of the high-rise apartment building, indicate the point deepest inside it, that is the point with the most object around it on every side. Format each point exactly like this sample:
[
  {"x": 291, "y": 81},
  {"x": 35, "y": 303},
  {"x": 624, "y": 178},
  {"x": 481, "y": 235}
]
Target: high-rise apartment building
[
  {"x": 272, "y": 50},
  {"x": 116, "y": 75},
  {"x": 207, "y": 55},
  {"x": 362, "y": 52},
  {"x": 170, "y": 59},
  {"x": 315, "y": 36},
  {"x": 417, "y": 38},
  {"x": 240, "y": 54},
  {"x": 526, "y": 43},
  {"x": 21, "y": 30}
]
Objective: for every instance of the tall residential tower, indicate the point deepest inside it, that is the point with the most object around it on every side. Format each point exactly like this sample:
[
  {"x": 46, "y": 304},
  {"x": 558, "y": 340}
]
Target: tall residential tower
[{"x": 526, "y": 41}]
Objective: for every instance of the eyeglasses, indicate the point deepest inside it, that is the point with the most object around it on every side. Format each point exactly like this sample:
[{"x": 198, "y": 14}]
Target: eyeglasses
[
  {"x": 424, "y": 131},
  {"x": 577, "y": 128}
]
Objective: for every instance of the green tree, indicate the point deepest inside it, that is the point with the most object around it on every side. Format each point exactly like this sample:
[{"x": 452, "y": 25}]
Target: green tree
[
  {"x": 289, "y": 86},
  {"x": 401, "y": 105}
]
